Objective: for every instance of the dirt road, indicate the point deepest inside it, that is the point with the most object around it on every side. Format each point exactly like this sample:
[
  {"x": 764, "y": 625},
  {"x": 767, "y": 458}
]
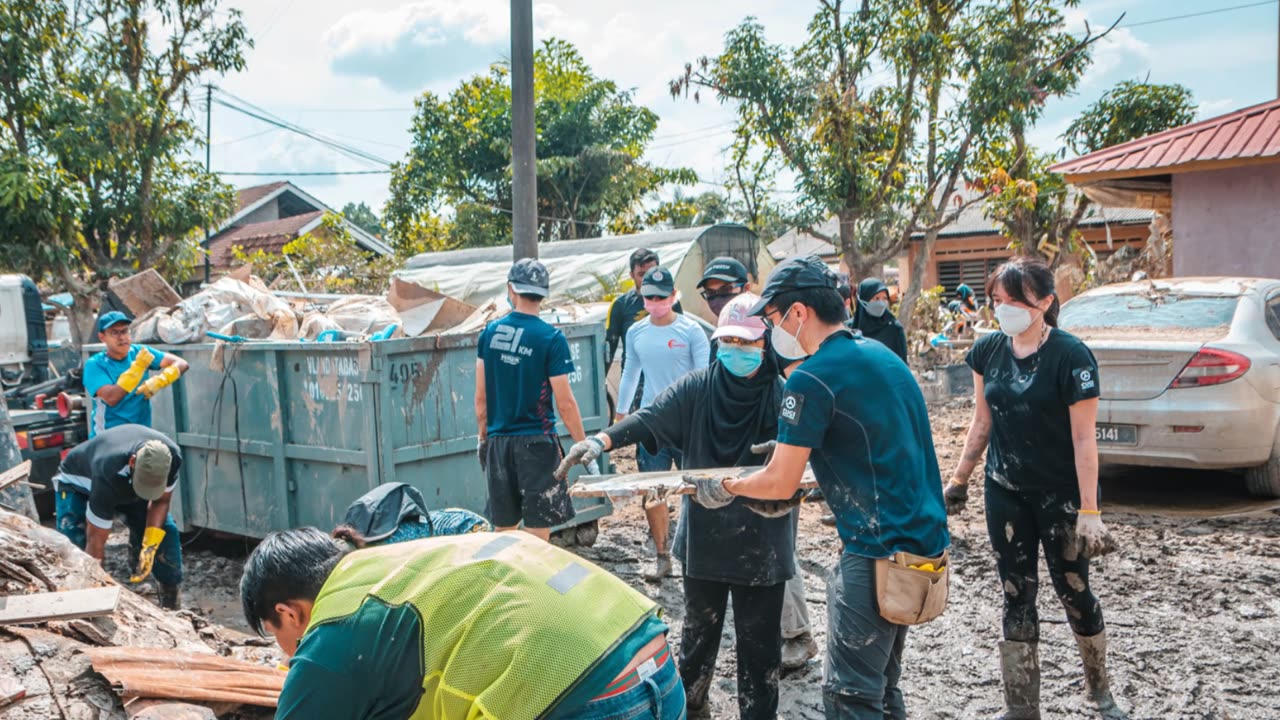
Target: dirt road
[{"x": 1190, "y": 600}]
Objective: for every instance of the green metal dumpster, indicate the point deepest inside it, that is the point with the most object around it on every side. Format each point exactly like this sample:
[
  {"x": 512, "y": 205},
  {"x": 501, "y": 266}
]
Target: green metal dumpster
[{"x": 289, "y": 433}]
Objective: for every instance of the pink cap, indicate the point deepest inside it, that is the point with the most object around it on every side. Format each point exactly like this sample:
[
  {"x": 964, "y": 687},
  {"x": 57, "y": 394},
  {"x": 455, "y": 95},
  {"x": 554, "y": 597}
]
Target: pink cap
[{"x": 737, "y": 321}]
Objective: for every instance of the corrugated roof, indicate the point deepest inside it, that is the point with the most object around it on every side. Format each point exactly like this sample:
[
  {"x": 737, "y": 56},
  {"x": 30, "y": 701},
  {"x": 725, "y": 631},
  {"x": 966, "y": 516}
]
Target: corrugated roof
[
  {"x": 797, "y": 242},
  {"x": 251, "y": 195},
  {"x": 268, "y": 236},
  {"x": 1245, "y": 136}
]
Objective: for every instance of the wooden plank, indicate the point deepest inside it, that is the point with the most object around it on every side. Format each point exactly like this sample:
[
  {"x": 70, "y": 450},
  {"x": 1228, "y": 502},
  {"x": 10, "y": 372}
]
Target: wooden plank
[
  {"x": 617, "y": 487},
  {"x": 10, "y": 691},
  {"x": 64, "y": 605},
  {"x": 144, "y": 291},
  {"x": 17, "y": 473}
]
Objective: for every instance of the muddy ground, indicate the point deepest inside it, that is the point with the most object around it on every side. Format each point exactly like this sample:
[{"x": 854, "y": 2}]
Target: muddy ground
[{"x": 1190, "y": 598}]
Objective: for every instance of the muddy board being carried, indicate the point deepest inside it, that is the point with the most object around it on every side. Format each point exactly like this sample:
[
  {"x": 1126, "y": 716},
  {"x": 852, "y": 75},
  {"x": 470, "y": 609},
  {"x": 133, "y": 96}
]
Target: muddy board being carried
[{"x": 669, "y": 482}]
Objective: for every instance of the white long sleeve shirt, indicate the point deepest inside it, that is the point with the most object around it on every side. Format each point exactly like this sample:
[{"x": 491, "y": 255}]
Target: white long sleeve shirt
[{"x": 663, "y": 354}]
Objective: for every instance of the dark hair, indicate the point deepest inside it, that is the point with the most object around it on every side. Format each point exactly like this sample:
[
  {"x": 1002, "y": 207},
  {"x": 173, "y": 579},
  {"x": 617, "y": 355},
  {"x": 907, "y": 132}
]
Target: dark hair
[
  {"x": 287, "y": 565},
  {"x": 826, "y": 303},
  {"x": 643, "y": 256},
  {"x": 531, "y": 297},
  {"x": 349, "y": 534},
  {"x": 1024, "y": 277}
]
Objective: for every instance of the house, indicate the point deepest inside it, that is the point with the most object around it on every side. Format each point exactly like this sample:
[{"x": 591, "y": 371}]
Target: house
[
  {"x": 972, "y": 246},
  {"x": 269, "y": 217},
  {"x": 1217, "y": 179}
]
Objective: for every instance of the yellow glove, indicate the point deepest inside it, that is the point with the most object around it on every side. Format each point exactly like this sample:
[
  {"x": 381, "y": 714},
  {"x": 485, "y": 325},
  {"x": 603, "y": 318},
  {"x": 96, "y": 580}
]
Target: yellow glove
[
  {"x": 159, "y": 382},
  {"x": 130, "y": 378},
  {"x": 151, "y": 538}
]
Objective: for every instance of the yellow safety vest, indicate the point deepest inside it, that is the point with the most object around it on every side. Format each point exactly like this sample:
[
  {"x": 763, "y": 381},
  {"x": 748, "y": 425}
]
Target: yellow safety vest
[{"x": 509, "y": 623}]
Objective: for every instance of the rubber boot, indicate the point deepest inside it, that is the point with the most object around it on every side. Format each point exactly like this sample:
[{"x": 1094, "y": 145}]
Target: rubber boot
[
  {"x": 661, "y": 568},
  {"x": 1093, "y": 652},
  {"x": 170, "y": 596},
  {"x": 1020, "y": 666}
]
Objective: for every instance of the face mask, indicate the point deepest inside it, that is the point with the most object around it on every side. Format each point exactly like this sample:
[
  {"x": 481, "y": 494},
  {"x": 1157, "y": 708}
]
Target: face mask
[
  {"x": 717, "y": 303},
  {"x": 877, "y": 308},
  {"x": 659, "y": 309},
  {"x": 1013, "y": 320},
  {"x": 786, "y": 344},
  {"x": 741, "y": 360}
]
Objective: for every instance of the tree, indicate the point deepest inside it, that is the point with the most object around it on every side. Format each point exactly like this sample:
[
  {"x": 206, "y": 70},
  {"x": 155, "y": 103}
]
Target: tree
[
  {"x": 326, "y": 259},
  {"x": 591, "y": 136},
  {"x": 96, "y": 177},
  {"x": 683, "y": 211},
  {"x": 363, "y": 217}
]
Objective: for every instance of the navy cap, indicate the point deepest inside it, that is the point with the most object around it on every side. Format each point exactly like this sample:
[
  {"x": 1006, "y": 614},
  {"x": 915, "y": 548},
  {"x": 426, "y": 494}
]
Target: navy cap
[
  {"x": 530, "y": 277},
  {"x": 798, "y": 273},
  {"x": 726, "y": 269},
  {"x": 115, "y": 317},
  {"x": 658, "y": 282}
]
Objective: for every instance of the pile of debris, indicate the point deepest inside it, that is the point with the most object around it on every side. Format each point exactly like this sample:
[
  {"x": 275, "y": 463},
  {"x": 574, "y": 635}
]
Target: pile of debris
[{"x": 74, "y": 644}]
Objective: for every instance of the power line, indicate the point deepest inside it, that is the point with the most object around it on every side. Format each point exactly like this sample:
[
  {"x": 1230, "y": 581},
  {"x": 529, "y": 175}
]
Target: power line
[
  {"x": 242, "y": 138},
  {"x": 1198, "y": 14},
  {"x": 271, "y": 119},
  {"x": 290, "y": 173}
]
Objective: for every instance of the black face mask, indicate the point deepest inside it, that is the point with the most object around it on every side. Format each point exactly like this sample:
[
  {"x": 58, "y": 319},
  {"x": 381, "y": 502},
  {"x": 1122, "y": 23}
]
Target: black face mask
[{"x": 717, "y": 303}]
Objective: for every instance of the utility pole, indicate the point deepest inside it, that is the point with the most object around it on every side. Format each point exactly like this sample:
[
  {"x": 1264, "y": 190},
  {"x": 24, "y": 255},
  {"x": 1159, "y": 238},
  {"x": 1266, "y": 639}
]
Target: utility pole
[
  {"x": 208, "y": 157},
  {"x": 524, "y": 179}
]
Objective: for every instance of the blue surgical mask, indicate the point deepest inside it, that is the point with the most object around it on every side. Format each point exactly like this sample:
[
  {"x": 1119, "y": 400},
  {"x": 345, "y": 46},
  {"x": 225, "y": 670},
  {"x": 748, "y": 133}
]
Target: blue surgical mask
[{"x": 741, "y": 360}]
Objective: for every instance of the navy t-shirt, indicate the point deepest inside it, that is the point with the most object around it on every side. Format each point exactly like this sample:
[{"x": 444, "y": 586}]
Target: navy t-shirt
[
  {"x": 858, "y": 407},
  {"x": 521, "y": 354}
]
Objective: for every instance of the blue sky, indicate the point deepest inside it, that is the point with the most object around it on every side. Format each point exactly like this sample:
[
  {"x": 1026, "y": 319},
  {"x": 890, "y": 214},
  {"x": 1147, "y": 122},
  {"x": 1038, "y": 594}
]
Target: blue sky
[{"x": 353, "y": 74}]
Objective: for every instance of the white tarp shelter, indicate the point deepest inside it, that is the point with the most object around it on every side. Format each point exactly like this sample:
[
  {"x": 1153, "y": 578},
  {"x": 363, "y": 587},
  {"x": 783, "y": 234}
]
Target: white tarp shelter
[{"x": 477, "y": 275}]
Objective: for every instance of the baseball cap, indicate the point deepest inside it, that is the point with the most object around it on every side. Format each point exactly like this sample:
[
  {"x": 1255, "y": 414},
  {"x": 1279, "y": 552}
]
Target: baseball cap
[
  {"x": 115, "y": 317},
  {"x": 151, "y": 469},
  {"x": 797, "y": 273},
  {"x": 737, "y": 321},
  {"x": 658, "y": 282},
  {"x": 726, "y": 269},
  {"x": 529, "y": 277}
]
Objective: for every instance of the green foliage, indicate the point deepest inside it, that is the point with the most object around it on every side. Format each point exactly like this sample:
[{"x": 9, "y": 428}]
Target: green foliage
[
  {"x": 683, "y": 211},
  {"x": 327, "y": 260},
  {"x": 1127, "y": 112},
  {"x": 591, "y": 136},
  {"x": 363, "y": 217}
]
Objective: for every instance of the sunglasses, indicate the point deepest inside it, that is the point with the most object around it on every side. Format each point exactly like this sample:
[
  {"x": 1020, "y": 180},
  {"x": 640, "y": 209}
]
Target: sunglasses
[{"x": 730, "y": 291}]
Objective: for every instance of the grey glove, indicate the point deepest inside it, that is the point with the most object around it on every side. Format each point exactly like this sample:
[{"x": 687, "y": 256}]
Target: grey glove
[
  {"x": 482, "y": 452},
  {"x": 955, "y": 495},
  {"x": 709, "y": 492},
  {"x": 1093, "y": 538},
  {"x": 766, "y": 449},
  {"x": 584, "y": 452},
  {"x": 775, "y": 508}
]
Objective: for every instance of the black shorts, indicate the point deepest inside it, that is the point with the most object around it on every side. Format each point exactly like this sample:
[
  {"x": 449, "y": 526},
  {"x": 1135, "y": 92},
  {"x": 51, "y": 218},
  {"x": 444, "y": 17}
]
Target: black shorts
[{"x": 521, "y": 486}]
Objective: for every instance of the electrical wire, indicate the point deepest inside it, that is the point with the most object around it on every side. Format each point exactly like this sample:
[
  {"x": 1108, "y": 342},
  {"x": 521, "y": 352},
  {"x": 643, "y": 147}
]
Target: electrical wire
[
  {"x": 1198, "y": 14},
  {"x": 233, "y": 173},
  {"x": 249, "y": 109}
]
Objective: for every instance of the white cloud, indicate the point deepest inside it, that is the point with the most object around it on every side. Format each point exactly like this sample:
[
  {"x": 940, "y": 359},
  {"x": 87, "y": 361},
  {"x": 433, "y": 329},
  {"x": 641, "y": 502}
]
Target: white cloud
[
  {"x": 1214, "y": 108},
  {"x": 1119, "y": 50}
]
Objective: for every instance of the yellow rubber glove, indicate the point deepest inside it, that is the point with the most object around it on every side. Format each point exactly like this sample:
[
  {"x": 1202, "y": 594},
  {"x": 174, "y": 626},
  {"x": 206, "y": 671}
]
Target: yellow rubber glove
[
  {"x": 130, "y": 378},
  {"x": 151, "y": 538},
  {"x": 159, "y": 382}
]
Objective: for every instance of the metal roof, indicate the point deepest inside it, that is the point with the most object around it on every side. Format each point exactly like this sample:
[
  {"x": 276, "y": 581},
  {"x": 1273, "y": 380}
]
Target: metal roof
[{"x": 1247, "y": 136}]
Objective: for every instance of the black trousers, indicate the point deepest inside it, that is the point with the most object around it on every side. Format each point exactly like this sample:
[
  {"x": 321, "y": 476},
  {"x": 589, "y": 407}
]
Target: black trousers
[
  {"x": 757, "y": 622},
  {"x": 1019, "y": 524}
]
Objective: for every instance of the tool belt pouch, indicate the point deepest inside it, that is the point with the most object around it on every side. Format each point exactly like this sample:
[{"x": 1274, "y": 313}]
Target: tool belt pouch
[{"x": 908, "y": 595}]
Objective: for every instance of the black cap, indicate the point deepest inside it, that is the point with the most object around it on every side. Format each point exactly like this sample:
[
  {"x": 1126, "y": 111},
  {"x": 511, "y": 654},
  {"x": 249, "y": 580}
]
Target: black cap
[
  {"x": 726, "y": 269},
  {"x": 658, "y": 282},
  {"x": 797, "y": 273},
  {"x": 530, "y": 277}
]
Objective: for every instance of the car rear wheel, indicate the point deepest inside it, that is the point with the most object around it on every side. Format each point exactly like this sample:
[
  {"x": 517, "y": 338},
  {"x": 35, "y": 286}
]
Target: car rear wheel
[{"x": 1264, "y": 480}]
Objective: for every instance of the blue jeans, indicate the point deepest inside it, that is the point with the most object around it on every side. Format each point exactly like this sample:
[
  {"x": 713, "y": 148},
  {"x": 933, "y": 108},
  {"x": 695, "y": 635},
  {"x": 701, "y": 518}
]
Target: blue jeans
[
  {"x": 658, "y": 697},
  {"x": 662, "y": 460},
  {"x": 71, "y": 507},
  {"x": 864, "y": 651}
]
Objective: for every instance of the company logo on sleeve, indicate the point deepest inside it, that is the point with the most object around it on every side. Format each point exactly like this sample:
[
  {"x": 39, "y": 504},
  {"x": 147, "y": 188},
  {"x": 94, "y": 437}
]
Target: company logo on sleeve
[
  {"x": 792, "y": 405},
  {"x": 1085, "y": 379}
]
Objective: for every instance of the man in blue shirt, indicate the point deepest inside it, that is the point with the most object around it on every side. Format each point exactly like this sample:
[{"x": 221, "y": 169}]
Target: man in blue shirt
[
  {"x": 522, "y": 362},
  {"x": 853, "y": 411},
  {"x": 115, "y": 379}
]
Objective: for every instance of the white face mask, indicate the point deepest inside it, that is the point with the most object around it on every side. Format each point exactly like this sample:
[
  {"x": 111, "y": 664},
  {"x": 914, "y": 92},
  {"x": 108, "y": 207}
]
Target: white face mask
[
  {"x": 1013, "y": 320},
  {"x": 786, "y": 344}
]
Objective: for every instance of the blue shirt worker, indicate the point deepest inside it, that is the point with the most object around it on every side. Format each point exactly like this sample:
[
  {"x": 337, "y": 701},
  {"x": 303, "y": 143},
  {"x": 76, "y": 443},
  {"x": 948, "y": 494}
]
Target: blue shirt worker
[
  {"x": 853, "y": 411},
  {"x": 127, "y": 470},
  {"x": 115, "y": 379},
  {"x": 523, "y": 365}
]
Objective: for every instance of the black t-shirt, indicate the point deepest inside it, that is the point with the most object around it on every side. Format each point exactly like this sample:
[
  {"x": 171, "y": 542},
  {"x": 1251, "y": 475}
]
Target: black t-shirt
[
  {"x": 1030, "y": 400},
  {"x": 100, "y": 468},
  {"x": 714, "y": 421}
]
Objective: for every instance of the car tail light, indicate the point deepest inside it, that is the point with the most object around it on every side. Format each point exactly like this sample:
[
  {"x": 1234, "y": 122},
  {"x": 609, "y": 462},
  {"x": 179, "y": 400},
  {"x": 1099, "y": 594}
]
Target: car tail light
[
  {"x": 22, "y": 441},
  {"x": 40, "y": 442},
  {"x": 1211, "y": 367}
]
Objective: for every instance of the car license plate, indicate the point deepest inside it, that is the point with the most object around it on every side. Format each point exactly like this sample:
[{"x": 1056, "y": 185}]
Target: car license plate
[{"x": 1117, "y": 434}]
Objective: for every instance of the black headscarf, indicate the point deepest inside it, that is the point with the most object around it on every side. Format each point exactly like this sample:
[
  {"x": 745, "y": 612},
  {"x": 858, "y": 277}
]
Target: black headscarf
[
  {"x": 884, "y": 329},
  {"x": 742, "y": 411}
]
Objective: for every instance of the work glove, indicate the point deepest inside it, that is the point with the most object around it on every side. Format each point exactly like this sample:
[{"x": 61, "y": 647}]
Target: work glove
[
  {"x": 774, "y": 508},
  {"x": 151, "y": 538},
  {"x": 709, "y": 492},
  {"x": 955, "y": 495},
  {"x": 130, "y": 378},
  {"x": 584, "y": 453},
  {"x": 766, "y": 449},
  {"x": 1092, "y": 537},
  {"x": 482, "y": 452},
  {"x": 159, "y": 382}
]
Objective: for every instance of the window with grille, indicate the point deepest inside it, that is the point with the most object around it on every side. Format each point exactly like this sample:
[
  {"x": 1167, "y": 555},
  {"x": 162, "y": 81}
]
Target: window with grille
[{"x": 970, "y": 272}]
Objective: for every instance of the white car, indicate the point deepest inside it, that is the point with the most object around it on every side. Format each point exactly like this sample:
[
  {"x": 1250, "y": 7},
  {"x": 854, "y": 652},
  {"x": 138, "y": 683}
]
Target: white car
[{"x": 1190, "y": 373}]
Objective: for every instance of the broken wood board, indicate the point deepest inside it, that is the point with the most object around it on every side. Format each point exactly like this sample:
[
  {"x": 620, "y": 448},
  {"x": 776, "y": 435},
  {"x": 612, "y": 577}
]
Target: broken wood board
[
  {"x": 17, "y": 473},
  {"x": 424, "y": 310},
  {"x": 11, "y": 691},
  {"x": 64, "y": 605},
  {"x": 671, "y": 482},
  {"x": 194, "y": 677},
  {"x": 144, "y": 291}
]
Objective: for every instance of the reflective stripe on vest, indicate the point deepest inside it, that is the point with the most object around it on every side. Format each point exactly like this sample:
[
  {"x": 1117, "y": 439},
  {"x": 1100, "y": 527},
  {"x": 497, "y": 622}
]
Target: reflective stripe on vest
[{"x": 509, "y": 623}]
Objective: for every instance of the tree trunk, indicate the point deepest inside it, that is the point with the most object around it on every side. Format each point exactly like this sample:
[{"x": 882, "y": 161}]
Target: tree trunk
[{"x": 907, "y": 308}]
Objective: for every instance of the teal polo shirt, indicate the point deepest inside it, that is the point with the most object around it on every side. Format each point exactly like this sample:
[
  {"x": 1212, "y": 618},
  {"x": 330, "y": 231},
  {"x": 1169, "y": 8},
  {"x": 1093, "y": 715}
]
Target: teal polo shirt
[{"x": 857, "y": 406}]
